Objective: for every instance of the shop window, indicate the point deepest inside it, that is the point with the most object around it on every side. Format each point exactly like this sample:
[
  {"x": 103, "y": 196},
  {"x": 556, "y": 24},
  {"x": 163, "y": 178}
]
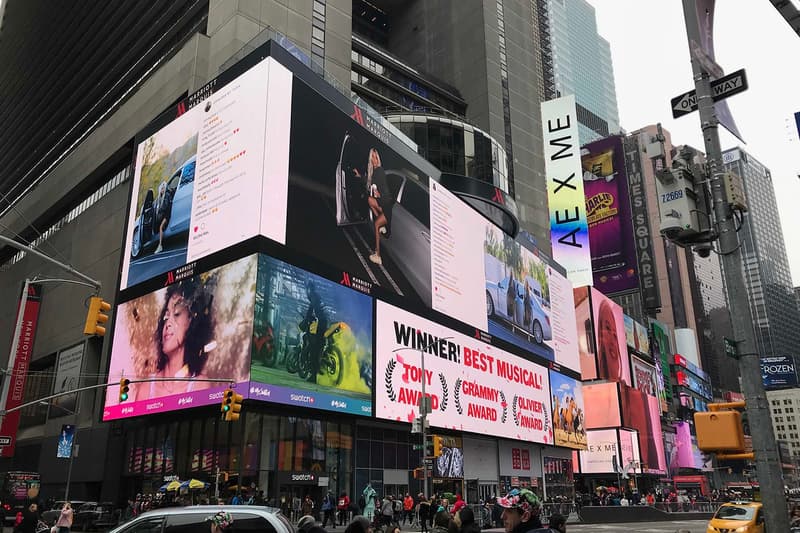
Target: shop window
[
  {"x": 389, "y": 455},
  {"x": 362, "y": 453},
  {"x": 376, "y": 455}
]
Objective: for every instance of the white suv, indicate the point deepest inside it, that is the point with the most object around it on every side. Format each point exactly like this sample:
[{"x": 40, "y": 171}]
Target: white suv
[{"x": 246, "y": 518}]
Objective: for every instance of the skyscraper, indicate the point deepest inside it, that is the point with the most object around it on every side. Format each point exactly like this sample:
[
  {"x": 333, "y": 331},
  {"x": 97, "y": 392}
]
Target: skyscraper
[
  {"x": 581, "y": 65},
  {"x": 765, "y": 265}
]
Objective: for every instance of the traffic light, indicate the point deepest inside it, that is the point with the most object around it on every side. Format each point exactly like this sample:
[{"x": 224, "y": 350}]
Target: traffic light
[
  {"x": 124, "y": 387},
  {"x": 96, "y": 316},
  {"x": 437, "y": 445},
  {"x": 719, "y": 431},
  {"x": 231, "y": 405}
]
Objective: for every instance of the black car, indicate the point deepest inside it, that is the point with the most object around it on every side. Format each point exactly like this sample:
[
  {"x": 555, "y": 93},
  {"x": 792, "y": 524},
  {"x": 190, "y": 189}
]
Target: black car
[{"x": 93, "y": 515}]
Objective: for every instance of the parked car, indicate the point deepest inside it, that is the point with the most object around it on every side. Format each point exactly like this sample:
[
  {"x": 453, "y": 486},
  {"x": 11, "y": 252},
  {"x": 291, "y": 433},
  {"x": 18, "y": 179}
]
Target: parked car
[
  {"x": 245, "y": 518},
  {"x": 50, "y": 516},
  {"x": 93, "y": 515},
  {"x": 745, "y": 517},
  {"x": 533, "y": 320},
  {"x": 178, "y": 203}
]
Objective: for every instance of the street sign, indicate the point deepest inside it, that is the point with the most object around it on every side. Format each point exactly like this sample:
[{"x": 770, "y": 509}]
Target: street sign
[
  {"x": 5, "y": 441},
  {"x": 730, "y": 348},
  {"x": 417, "y": 446},
  {"x": 721, "y": 88},
  {"x": 428, "y": 462}
]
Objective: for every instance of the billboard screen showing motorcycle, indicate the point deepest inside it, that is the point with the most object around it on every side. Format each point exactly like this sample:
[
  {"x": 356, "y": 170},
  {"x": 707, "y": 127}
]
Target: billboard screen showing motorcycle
[
  {"x": 200, "y": 165},
  {"x": 199, "y": 326},
  {"x": 312, "y": 342}
]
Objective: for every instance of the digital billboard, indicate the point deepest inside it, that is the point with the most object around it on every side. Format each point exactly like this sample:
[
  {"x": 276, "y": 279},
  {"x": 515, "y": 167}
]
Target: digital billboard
[
  {"x": 472, "y": 386},
  {"x": 221, "y": 152},
  {"x": 608, "y": 213},
  {"x": 569, "y": 417},
  {"x": 642, "y": 412},
  {"x": 644, "y": 376},
  {"x": 661, "y": 348},
  {"x": 451, "y": 463},
  {"x": 630, "y": 332},
  {"x": 312, "y": 341},
  {"x": 601, "y": 401},
  {"x": 602, "y": 452},
  {"x": 197, "y": 328},
  {"x": 355, "y": 203},
  {"x": 629, "y": 450},
  {"x": 569, "y": 231},
  {"x": 778, "y": 372},
  {"x": 585, "y": 333},
  {"x": 612, "y": 350}
]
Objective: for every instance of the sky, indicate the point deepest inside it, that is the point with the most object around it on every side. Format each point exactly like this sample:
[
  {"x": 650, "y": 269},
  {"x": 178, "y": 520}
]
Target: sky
[{"x": 651, "y": 65}]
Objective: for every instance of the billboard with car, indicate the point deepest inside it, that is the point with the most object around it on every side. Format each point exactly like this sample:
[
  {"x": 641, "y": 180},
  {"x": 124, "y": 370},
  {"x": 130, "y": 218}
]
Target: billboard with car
[{"x": 221, "y": 152}]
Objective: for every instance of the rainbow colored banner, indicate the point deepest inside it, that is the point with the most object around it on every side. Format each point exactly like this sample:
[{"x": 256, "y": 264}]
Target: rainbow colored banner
[{"x": 569, "y": 230}]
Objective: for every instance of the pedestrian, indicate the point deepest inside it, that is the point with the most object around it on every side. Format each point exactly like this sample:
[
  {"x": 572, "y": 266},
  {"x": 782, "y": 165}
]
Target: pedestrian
[
  {"x": 408, "y": 509},
  {"x": 220, "y": 522},
  {"x": 387, "y": 511},
  {"x": 327, "y": 510},
  {"x": 558, "y": 523},
  {"x": 441, "y": 522},
  {"x": 521, "y": 510},
  {"x": 64, "y": 522},
  {"x": 424, "y": 511},
  {"x": 358, "y": 524},
  {"x": 30, "y": 519},
  {"x": 308, "y": 506},
  {"x": 342, "y": 508},
  {"x": 466, "y": 520},
  {"x": 459, "y": 504}
]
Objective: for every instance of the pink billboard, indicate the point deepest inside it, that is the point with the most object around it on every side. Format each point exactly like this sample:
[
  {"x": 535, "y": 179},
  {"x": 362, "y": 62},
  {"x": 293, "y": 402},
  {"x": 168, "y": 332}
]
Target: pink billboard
[
  {"x": 612, "y": 349},
  {"x": 642, "y": 412}
]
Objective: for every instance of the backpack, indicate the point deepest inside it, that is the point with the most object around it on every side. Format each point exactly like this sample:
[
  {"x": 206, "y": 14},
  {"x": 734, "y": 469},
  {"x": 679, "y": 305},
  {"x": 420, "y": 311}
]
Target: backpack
[{"x": 398, "y": 505}]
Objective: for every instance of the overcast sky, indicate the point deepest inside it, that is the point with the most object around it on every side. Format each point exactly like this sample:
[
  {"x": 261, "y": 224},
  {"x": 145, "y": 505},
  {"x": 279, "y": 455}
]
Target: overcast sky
[{"x": 651, "y": 65}]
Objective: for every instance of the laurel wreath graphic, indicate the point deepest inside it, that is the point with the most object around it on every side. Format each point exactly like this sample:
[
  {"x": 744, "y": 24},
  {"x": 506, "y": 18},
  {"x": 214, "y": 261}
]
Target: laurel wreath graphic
[
  {"x": 444, "y": 392},
  {"x": 514, "y": 412},
  {"x": 505, "y": 406},
  {"x": 387, "y": 380},
  {"x": 457, "y": 397},
  {"x": 546, "y": 418}
]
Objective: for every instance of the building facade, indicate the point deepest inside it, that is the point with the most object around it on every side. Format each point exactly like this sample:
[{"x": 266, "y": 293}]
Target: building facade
[{"x": 765, "y": 265}]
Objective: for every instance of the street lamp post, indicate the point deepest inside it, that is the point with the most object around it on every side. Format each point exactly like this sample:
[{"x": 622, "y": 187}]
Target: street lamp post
[{"x": 74, "y": 440}]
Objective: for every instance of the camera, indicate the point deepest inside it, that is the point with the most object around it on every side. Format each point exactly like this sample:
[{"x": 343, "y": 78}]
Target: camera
[{"x": 703, "y": 249}]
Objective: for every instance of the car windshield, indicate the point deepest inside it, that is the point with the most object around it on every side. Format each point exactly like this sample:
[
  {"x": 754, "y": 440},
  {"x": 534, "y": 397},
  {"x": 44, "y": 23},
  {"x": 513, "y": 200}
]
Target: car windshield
[{"x": 731, "y": 512}]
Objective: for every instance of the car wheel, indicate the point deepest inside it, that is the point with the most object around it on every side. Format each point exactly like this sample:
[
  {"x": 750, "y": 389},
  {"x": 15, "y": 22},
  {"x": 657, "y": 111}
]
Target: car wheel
[
  {"x": 489, "y": 305},
  {"x": 136, "y": 245},
  {"x": 538, "y": 335}
]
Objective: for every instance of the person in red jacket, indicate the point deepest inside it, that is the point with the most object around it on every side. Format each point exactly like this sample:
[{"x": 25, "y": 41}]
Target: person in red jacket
[
  {"x": 342, "y": 507},
  {"x": 460, "y": 504},
  {"x": 408, "y": 509}
]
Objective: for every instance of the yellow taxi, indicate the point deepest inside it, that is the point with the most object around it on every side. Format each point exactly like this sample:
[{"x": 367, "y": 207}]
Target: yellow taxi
[{"x": 742, "y": 517}]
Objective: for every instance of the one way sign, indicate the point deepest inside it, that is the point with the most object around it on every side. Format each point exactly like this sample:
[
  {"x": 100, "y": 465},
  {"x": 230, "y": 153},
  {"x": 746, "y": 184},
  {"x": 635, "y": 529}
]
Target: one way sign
[{"x": 721, "y": 88}]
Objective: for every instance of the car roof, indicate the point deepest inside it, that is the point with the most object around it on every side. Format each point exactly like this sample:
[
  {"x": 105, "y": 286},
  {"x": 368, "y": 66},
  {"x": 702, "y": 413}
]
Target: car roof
[
  {"x": 211, "y": 509},
  {"x": 742, "y": 504}
]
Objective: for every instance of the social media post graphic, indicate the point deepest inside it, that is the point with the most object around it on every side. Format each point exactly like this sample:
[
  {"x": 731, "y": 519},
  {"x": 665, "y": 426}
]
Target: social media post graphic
[
  {"x": 197, "y": 328},
  {"x": 195, "y": 176},
  {"x": 472, "y": 386},
  {"x": 355, "y": 203},
  {"x": 457, "y": 237},
  {"x": 312, "y": 342},
  {"x": 569, "y": 413}
]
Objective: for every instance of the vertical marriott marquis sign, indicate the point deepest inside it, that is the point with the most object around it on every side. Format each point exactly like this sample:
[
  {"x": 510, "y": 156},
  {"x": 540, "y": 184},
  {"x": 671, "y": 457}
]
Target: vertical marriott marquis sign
[{"x": 569, "y": 231}]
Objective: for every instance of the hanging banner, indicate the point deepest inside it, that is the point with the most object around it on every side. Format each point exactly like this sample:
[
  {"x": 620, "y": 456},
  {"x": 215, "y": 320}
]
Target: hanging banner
[
  {"x": 66, "y": 441},
  {"x": 68, "y": 374},
  {"x": 19, "y": 372},
  {"x": 569, "y": 230}
]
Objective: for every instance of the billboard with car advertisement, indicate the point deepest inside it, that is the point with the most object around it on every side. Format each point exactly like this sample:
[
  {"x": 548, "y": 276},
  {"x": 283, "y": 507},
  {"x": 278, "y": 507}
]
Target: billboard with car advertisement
[
  {"x": 221, "y": 152},
  {"x": 601, "y": 401},
  {"x": 312, "y": 341},
  {"x": 473, "y": 386},
  {"x": 199, "y": 326},
  {"x": 609, "y": 329},
  {"x": 569, "y": 416},
  {"x": 778, "y": 372},
  {"x": 608, "y": 213},
  {"x": 642, "y": 412}
]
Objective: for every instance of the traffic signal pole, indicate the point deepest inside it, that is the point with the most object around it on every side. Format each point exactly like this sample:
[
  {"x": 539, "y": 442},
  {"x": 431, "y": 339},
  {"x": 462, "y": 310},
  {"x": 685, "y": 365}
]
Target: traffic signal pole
[{"x": 767, "y": 461}]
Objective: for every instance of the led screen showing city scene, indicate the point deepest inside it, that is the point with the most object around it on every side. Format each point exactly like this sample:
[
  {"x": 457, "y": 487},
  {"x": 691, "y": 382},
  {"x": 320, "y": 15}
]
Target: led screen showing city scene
[
  {"x": 195, "y": 329},
  {"x": 312, "y": 342},
  {"x": 220, "y": 153}
]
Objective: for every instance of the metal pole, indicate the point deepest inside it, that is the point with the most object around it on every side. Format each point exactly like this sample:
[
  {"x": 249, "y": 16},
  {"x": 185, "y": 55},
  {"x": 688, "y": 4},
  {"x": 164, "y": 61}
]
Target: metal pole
[
  {"x": 764, "y": 447},
  {"x": 14, "y": 244},
  {"x": 424, "y": 409},
  {"x": 74, "y": 445}
]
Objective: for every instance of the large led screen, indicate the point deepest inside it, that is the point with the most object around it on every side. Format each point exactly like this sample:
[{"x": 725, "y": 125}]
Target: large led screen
[
  {"x": 612, "y": 350},
  {"x": 569, "y": 424},
  {"x": 608, "y": 213},
  {"x": 528, "y": 303},
  {"x": 356, "y": 204},
  {"x": 312, "y": 342},
  {"x": 642, "y": 412},
  {"x": 602, "y": 452},
  {"x": 629, "y": 450},
  {"x": 661, "y": 347},
  {"x": 472, "y": 386},
  {"x": 585, "y": 333},
  {"x": 198, "y": 327},
  {"x": 644, "y": 377},
  {"x": 602, "y": 405},
  {"x": 223, "y": 154}
]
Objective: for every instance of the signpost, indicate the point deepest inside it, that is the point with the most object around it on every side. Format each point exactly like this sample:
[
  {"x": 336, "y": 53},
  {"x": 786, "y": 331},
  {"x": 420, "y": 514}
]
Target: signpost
[
  {"x": 730, "y": 348},
  {"x": 721, "y": 88}
]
